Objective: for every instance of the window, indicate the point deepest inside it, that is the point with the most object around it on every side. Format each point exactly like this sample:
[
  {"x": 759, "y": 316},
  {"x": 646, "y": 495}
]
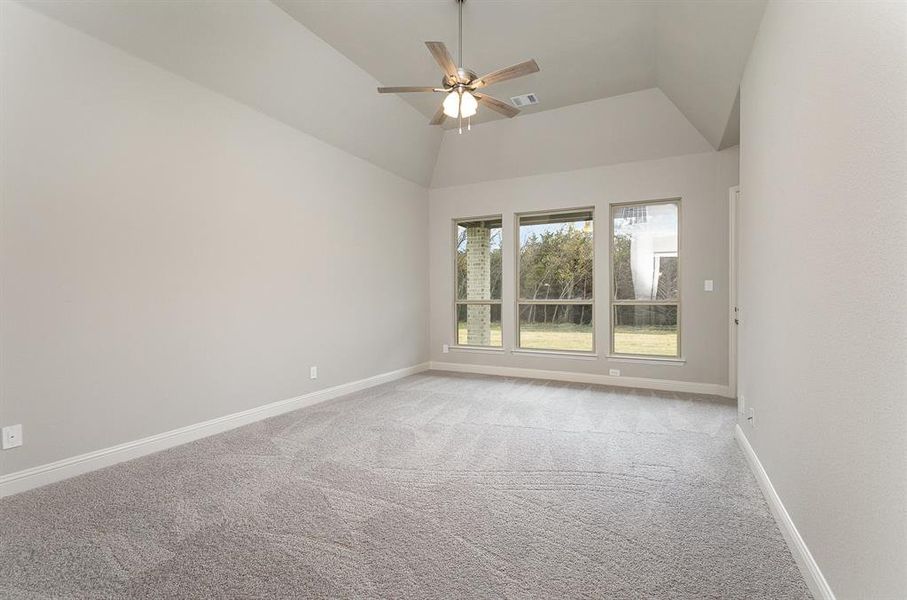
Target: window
[
  {"x": 555, "y": 281},
  {"x": 645, "y": 298},
  {"x": 478, "y": 285}
]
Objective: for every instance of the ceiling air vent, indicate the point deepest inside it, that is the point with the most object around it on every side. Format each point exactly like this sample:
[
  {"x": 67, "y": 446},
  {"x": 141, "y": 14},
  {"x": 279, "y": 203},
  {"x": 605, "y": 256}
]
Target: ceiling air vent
[{"x": 524, "y": 100}]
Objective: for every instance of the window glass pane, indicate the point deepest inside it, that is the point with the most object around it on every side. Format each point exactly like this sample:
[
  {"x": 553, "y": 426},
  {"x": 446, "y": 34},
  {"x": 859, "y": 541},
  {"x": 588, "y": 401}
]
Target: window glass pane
[
  {"x": 479, "y": 260},
  {"x": 644, "y": 252},
  {"x": 645, "y": 329},
  {"x": 556, "y": 326},
  {"x": 556, "y": 257},
  {"x": 479, "y": 324}
]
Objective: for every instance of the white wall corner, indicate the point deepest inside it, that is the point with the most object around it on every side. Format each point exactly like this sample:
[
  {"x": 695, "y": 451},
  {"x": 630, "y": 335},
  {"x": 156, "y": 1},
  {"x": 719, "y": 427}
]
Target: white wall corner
[
  {"x": 803, "y": 557},
  {"x": 705, "y": 91}
]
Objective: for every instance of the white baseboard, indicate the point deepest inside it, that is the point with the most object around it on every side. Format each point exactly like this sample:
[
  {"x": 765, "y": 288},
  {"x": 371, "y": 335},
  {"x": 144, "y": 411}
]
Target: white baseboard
[
  {"x": 34, "y": 477},
  {"x": 804, "y": 558},
  {"x": 668, "y": 385}
]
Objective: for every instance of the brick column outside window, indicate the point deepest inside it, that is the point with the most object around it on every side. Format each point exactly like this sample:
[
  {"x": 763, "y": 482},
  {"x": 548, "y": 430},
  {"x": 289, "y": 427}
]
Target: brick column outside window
[{"x": 478, "y": 286}]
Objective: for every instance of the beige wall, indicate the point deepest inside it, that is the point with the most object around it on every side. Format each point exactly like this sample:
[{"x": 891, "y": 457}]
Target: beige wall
[
  {"x": 823, "y": 346},
  {"x": 701, "y": 180},
  {"x": 170, "y": 255}
]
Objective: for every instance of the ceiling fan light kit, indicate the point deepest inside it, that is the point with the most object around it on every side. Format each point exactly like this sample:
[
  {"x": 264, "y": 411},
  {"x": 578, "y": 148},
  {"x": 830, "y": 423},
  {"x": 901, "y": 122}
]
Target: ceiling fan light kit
[
  {"x": 460, "y": 104},
  {"x": 459, "y": 84}
]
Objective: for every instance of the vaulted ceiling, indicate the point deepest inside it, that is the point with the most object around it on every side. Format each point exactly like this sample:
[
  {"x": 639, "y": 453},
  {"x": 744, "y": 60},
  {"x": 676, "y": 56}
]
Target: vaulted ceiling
[
  {"x": 314, "y": 64},
  {"x": 694, "y": 50},
  {"x": 253, "y": 52}
]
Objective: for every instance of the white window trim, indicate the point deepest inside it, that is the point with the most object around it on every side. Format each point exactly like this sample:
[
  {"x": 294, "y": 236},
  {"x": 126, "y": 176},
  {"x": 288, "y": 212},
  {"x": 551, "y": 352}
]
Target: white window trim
[
  {"x": 477, "y": 349},
  {"x": 637, "y": 359},
  {"x": 612, "y": 301},
  {"x": 518, "y": 301},
  {"x": 456, "y": 332},
  {"x": 573, "y": 354}
]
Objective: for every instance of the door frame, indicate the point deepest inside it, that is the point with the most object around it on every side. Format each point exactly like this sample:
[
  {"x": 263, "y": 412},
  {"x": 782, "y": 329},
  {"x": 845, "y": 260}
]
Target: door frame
[{"x": 733, "y": 309}]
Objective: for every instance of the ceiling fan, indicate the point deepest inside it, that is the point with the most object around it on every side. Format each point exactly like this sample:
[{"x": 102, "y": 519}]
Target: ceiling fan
[{"x": 460, "y": 84}]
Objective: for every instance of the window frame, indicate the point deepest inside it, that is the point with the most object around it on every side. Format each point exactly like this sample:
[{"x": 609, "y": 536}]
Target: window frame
[
  {"x": 455, "y": 223},
  {"x": 613, "y": 302},
  {"x": 518, "y": 301}
]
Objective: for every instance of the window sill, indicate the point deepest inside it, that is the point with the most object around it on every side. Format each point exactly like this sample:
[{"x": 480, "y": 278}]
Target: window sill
[
  {"x": 557, "y": 353},
  {"x": 647, "y": 360},
  {"x": 479, "y": 349}
]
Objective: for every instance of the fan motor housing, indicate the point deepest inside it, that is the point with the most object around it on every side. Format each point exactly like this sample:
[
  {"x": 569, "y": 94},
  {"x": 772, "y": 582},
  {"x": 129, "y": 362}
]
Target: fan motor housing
[{"x": 466, "y": 76}]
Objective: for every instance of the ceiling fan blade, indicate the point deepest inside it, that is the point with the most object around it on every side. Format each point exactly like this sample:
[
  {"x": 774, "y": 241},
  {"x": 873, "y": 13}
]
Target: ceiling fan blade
[
  {"x": 405, "y": 89},
  {"x": 439, "y": 51},
  {"x": 497, "y": 105},
  {"x": 439, "y": 116},
  {"x": 511, "y": 72}
]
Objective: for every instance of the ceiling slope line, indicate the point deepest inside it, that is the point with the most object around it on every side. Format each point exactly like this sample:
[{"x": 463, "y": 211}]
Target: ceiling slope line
[{"x": 258, "y": 55}]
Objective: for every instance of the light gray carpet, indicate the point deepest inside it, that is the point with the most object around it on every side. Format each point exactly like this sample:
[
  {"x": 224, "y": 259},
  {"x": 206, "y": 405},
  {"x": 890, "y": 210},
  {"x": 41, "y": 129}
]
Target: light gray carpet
[{"x": 434, "y": 486}]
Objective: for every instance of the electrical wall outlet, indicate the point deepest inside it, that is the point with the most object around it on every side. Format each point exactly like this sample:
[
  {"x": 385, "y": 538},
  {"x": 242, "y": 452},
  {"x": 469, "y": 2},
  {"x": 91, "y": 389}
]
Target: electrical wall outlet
[
  {"x": 12, "y": 436},
  {"x": 445, "y": 348},
  {"x": 313, "y": 373},
  {"x": 751, "y": 417},
  {"x": 614, "y": 372},
  {"x": 709, "y": 285}
]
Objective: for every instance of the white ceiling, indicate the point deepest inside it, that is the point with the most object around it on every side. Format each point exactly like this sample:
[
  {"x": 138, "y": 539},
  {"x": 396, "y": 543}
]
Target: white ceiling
[
  {"x": 314, "y": 65},
  {"x": 694, "y": 50},
  {"x": 633, "y": 127},
  {"x": 254, "y": 53}
]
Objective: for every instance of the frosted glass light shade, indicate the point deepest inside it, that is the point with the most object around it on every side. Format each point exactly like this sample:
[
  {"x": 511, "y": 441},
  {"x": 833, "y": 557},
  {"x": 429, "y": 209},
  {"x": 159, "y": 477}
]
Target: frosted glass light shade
[
  {"x": 468, "y": 105},
  {"x": 453, "y": 105}
]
